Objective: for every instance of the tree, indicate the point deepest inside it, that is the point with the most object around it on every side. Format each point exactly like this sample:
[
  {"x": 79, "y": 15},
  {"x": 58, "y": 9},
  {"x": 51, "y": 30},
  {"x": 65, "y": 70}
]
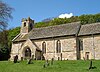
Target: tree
[
  {"x": 4, "y": 50},
  {"x": 11, "y": 34},
  {"x": 5, "y": 15}
]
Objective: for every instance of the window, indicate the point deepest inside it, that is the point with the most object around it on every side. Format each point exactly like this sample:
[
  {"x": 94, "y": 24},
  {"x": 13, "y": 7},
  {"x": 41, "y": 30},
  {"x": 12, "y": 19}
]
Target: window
[
  {"x": 44, "y": 47},
  {"x": 24, "y": 24},
  {"x": 58, "y": 47},
  {"x": 80, "y": 45}
]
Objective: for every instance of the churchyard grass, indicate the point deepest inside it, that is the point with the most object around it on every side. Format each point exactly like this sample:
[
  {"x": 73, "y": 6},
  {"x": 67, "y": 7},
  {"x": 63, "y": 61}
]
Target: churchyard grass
[{"x": 58, "y": 66}]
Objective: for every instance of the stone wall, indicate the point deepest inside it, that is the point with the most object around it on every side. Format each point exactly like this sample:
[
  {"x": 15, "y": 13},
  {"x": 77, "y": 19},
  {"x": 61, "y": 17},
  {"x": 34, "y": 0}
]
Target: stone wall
[
  {"x": 97, "y": 47},
  {"x": 91, "y": 44},
  {"x": 19, "y": 48},
  {"x": 15, "y": 50},
  {"x": 68, "y": 48}
]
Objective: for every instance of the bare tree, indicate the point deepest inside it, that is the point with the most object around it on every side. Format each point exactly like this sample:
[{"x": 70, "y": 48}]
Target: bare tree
[{"x": 5, "y": 15}]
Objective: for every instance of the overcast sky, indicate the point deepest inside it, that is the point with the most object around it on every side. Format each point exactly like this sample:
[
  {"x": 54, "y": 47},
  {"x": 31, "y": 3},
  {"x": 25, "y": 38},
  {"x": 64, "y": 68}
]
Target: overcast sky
[{"x": 42, "y": 9}]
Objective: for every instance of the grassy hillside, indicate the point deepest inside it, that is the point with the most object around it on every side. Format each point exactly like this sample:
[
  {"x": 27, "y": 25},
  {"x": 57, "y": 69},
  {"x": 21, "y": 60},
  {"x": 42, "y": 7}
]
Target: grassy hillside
[{"x": 58, "y": 66}]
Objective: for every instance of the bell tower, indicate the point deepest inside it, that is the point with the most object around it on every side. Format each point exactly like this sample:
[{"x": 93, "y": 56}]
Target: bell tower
[{"x": 27, "y": 25}]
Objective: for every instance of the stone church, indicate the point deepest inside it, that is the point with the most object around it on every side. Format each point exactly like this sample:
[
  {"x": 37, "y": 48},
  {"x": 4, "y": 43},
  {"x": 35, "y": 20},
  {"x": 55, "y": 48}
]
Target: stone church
[{"x": 71, "y": 41}]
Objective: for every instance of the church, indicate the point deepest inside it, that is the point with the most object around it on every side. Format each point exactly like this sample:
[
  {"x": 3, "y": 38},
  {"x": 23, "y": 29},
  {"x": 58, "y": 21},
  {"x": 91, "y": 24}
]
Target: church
[{"x": 71, "y": 41}]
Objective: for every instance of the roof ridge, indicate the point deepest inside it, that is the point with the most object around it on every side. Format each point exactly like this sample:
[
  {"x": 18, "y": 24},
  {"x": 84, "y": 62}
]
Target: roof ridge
[
  {"x": 57, "y": 25},
  {"x": 88, "y": 29},
  {"x": 91, "y": 24}
]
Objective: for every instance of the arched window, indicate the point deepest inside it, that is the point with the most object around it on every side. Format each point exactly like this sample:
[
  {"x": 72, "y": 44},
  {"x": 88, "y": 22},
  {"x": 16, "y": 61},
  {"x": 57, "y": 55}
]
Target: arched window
[
  {"x": 58, "y": 46},
  {"x": 44, "y": 47}
]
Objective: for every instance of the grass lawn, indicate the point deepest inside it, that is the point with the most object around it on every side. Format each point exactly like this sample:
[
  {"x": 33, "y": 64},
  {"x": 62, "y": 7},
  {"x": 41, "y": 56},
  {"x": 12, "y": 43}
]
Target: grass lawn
[{"x": 58, "y": 66}]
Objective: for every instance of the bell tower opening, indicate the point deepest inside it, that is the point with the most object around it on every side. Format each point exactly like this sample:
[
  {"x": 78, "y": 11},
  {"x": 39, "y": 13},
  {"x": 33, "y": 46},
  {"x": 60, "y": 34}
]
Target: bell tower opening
[{"x": 24, "y": 24}]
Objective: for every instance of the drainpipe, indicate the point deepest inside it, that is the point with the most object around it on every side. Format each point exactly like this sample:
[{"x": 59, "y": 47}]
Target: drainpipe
[
  {"x": 93, "y": 46},
  {"x": 77, "y": 48},
  {"x": 77, "y": 43},
  {"x": 54, "y": 49}
]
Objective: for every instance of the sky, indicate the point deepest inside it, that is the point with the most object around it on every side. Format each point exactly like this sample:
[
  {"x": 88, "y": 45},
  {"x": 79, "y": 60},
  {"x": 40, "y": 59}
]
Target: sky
[{"x": 39, "y": 10}]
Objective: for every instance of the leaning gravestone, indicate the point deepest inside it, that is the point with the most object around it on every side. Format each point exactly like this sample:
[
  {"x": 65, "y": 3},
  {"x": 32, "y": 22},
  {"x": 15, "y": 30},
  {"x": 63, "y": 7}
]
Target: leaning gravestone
[
  {"x": 52, "y": 61},
  {"x": 90, "y": 65},
  {"x": 47, "y": 63},
  {"x": 30, "y": 61},
  {"x": 15, "y": 59}
]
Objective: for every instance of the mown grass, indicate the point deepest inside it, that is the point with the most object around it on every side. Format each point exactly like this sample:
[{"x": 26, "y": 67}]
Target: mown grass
[{"x": 58, "y": 66}]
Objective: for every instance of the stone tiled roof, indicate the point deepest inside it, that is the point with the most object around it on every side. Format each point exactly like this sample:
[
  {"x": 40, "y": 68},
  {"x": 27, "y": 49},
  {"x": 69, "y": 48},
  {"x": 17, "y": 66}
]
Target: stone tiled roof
[
  {"x": 20, "y": 37},
  {"x": 54, "y": 31},
  {"x": 60, "y": 30},
  {"x": 89, "y": 29},
  {"x": 51, "y": 31}
]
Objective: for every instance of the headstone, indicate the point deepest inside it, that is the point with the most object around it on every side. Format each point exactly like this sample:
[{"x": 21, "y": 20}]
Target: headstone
[
  {"x": 91, "y": 65},
  {"x": 30, "y": 61},
  {"x": 47, "y": 63},
  {"x": 52, "y": 61},
  {"x": 21, "y": 58},
  {"x": 15, "y": 59},
  {"x": 44, "y": 66},
  {"x": 61, "y": 56}
]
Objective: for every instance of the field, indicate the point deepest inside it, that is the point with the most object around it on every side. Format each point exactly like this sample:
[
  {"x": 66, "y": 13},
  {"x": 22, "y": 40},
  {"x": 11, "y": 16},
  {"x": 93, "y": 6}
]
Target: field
[{"x": 58, "y": 66}]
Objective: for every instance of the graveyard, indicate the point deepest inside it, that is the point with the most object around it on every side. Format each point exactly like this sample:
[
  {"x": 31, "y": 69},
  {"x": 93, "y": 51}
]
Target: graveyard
[{"x": 50, "y": 66}]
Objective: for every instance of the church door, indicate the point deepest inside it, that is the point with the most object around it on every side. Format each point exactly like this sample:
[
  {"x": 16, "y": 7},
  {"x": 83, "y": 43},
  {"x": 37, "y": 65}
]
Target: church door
[
  {"x": 87, "y": 55},
  {"x": 27, "y": 53}
]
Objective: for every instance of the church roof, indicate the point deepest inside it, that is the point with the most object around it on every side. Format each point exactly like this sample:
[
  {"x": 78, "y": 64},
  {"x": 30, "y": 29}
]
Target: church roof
[
  {"x": 20, "y": 37},
  {"x": 60, "y": 30},
  {"x": 54, "y": 31},
  {"x": 51, "y": 31},
  {"x": 89, "y": 29}
]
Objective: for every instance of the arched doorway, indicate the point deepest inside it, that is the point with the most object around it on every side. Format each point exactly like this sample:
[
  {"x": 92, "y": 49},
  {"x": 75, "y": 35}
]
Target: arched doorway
[{"x": 27, "y": 53}]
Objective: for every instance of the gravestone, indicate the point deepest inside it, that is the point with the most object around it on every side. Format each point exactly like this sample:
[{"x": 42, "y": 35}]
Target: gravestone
[
  {"x": 21, "y": 58},
  {"x": 44, "y": 66},
  {"x": 30, "y": 61},
  {"x": 15, "y": 59},
  {"x": 47, "y": 63},
  {"x": 91, "y": 65},
  {"x": 52, "y": 61},
  {"x": 61, "y": 56}
]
